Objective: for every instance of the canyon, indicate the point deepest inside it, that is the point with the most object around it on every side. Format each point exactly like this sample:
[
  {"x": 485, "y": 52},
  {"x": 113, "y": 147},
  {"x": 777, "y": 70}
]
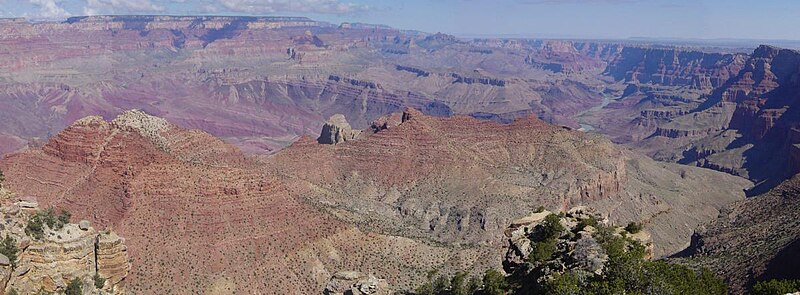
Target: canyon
[
  {"x": 280, "y": 78},
  {"x": 394, "y": 201},
  {"x": 281, "y": 153}
]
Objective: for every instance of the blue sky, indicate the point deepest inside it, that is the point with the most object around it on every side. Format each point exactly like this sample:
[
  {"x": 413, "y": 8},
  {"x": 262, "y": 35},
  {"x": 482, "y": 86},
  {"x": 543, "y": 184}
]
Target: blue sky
[{"x": 737, "y": 19}]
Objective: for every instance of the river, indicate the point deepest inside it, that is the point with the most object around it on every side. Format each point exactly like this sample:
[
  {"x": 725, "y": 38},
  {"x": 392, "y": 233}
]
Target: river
[{"x": 607, "y": 98}]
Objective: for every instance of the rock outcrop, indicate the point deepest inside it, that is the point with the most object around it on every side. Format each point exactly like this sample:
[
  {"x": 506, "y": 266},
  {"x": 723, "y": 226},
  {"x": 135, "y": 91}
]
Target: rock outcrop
[
  {"x": 480, "y": 80},
  {"x": 337, "y": 130},
  {"x": 356, "y": 283},
  {"x": 576, "y": 245},
  {"x": 111, "y": 257},
  {"x": 49, "y": 262}
]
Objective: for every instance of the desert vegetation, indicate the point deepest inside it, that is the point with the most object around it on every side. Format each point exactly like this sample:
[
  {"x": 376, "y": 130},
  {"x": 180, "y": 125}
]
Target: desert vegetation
[
  {"x": 36, "y": 224},
  {"x": 560, "y": 262},
  {"x": 776, "y": 287},
  {"x": 9, "y": 248}
]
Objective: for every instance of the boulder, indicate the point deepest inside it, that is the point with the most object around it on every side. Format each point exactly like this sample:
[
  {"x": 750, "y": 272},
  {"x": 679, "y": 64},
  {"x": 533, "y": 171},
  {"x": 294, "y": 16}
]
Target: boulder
[
  {"x": 84, "y": 225},
  {"x": 4, "y": 261}
]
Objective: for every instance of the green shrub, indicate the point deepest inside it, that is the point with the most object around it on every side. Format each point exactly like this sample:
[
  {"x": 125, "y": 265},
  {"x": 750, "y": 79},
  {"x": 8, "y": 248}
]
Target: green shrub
[
  {"x": 99, "y": 281},
  {"x": 441, "y": 285},
  {"x": 427, "y": 287},
  {"x": 35, "y": 227},
  {"x": 540, "y": 209},
  {"x": 2, "y": 178},
  {"x": 9, "y": 248},
  {"x": 584, "y": 222},
  {"x": 494, "y": 283},
  {"x": 563, "y": 284},
  {"x": 64, "y": 217},
  {"x": 458, "y": 284},
  {"x": 12, "y": 292},
  {"x": 474, "y": 285},
  {"x": 778, "y": 287},
  {"x": 75, "y": 287},
  {"x": 543, "y": 251},
  {"x": 551, "y": 228},
  {"x": 633, "y": 227}
]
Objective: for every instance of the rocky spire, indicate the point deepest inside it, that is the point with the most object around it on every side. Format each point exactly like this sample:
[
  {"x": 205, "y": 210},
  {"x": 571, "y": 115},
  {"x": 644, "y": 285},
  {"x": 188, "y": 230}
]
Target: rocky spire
[{"x": 337, "y": 130}]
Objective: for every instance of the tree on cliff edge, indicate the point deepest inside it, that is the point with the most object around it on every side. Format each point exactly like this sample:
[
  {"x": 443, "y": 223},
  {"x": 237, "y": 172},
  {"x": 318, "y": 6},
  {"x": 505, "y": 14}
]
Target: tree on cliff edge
[{"x": 2, "y": 178}]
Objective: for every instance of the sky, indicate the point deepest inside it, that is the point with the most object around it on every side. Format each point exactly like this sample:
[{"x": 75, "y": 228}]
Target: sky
[{"x": 602, "y": 19}]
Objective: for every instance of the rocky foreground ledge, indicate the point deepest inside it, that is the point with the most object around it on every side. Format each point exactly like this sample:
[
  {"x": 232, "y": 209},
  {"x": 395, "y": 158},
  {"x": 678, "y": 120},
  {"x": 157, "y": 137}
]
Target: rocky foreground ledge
[{"x": 44, "y": 252}]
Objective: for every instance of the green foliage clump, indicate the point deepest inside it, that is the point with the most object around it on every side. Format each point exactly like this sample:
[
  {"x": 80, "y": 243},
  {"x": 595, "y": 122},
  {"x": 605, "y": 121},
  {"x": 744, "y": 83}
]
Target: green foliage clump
[
  {"x": 633, "y": 227},
  {"x": 567, "y": 283},
  {"x": 36, "y": 224},
  {"x": 9, "y": 248},
  {"x": 777, "y": 287},
  {"x": 474, "y": 285},
  {"x": 583, "y": 223},
  {"x": 628, "y": 272},
  {"x": 441, "y": 285},
  {"x": 434, "y": 286},
  {"x": 543, "y": 251},
  {"x": 35, "y": 227},
  {"x": 75, "y": 287},
  {"x": 458, "y": 284},
  {"x": 12, "y": 292},
  {"x": 494, "y": 283},
  {"x": 551, "y": 228},
  {"x": 64, "y": 217},
  {"x": 99, "y": 281},
  {"x": 540, "y": 209},
  {"x": 2, "y": 178}
]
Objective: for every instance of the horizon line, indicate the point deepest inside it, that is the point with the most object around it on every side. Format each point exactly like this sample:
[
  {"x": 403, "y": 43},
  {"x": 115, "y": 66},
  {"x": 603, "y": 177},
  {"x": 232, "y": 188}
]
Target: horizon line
[{"x": 540, "y": 36}]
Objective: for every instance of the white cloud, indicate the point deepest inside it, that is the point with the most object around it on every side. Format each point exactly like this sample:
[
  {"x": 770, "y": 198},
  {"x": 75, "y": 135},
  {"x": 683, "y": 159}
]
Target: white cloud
[
  {"x": 49, "y": 9},
  {"x": 305, "y": 6},
  {"x": 94, "y": 7}
]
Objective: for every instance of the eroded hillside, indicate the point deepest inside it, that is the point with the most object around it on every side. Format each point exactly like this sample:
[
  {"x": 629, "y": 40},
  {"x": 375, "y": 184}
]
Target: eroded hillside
[{"x": 419, "y": 194}]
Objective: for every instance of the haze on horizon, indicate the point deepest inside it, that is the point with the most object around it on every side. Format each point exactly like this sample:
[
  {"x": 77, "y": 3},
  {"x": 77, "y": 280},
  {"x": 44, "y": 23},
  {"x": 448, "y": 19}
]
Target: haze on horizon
[{"x": 611, "y": 19}]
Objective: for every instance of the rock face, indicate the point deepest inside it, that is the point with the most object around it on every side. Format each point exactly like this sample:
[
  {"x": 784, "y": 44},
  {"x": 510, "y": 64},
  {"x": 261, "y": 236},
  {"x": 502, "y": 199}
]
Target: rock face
[
  {"x": 337, "y": 130},
  {"x": 753, "y": 240},
  {"x": 673, "y": 67},
  {"x": 61, "y": 255},
  {"x": 111, "y": 258},
  {"x": 746, "y": 126},
  {"x": 355, "y": 283}
]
